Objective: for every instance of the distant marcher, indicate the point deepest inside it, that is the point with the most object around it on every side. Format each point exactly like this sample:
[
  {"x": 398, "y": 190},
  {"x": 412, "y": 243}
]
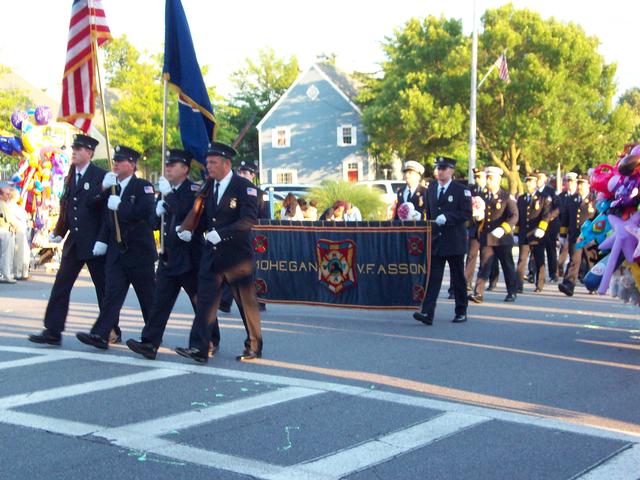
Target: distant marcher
[
  {"x": 7, "y": 238},
  {"x": 312, "y": 211},
  {"x": 22, "y": 254},
  {"x": 413, "y": 191}
]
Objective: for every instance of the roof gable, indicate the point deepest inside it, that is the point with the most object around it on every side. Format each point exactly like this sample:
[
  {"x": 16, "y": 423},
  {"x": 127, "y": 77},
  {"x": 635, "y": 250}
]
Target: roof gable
[{"x": 332, "y": 76}]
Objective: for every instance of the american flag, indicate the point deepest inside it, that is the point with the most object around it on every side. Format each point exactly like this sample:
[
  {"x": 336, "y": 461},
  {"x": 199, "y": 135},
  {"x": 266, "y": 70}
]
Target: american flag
[
  {"x": 503, "y": 69},
  {"x": 78, "y": 83}
]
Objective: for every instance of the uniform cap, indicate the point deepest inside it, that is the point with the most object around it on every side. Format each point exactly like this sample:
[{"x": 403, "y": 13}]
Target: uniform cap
[
  {"x": 248, "y": 166},
  {"x": 122, "y": 153},
  {"x": 413, "y": 165},
  {"x": 445, "y": 162},
  {"x": 479, "y": 172},
  {"x": 219, "y": 149},
  {"x": 81, "y": 140},
  {"x": 573, "y": 176},
  {"x": 495, "y": 171},
  {"x": 530, "y": 176},
  {"x": 175, "y": 155}
]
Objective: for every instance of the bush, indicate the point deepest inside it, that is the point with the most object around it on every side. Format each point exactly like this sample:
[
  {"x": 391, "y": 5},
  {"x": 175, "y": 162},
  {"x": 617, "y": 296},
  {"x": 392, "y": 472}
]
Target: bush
[{"x": 369, "y": 201}]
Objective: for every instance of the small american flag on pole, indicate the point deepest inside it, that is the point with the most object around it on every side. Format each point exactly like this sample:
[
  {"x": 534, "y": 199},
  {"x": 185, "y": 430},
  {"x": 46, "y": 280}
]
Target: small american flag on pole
[
  {"x": 88, "y": 22},
  {"x": 503, "y": 69}
]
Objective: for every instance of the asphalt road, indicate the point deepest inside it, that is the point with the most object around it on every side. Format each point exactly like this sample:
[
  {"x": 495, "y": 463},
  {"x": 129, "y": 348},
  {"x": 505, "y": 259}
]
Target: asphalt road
[{"x": 547, "y": 387}]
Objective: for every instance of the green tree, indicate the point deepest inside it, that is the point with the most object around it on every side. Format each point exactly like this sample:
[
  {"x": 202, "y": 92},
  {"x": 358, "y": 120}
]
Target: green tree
[
  {"x": 556, "y": 109},
  {"x": 259, "y": 84},
  {"x": 135, "y": 117},
  {"x": 631, "y": 98}
]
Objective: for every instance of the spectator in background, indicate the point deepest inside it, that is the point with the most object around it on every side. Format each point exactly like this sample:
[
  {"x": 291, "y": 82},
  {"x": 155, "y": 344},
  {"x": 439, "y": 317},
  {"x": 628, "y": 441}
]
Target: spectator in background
[
  {"x": 312, "y": 211},
  {"x": 352, "y": 213},
  {"x": 21, "y": 236},
  {"x": 308, "y": 212},
  {"x": 335, "y": 213},
  {"x": 290, "y": 208},
  {"x": 7, "y": 241}
]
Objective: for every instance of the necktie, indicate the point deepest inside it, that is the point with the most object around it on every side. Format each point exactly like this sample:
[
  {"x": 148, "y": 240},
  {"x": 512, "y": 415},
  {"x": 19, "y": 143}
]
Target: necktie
[
  {"x": 528, "y": 198},
  {"x": 215, "y": 193},
  {"x": 78, "y": 177},
  {"x": 118, "y": 189},
  {"x": 440, "y": 192}
]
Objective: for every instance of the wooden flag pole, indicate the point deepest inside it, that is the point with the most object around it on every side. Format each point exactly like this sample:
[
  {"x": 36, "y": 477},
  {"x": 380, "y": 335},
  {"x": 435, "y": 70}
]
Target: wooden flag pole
[
  {"x": 164, "y": 156},
  {"x": 94, "y": 46}
]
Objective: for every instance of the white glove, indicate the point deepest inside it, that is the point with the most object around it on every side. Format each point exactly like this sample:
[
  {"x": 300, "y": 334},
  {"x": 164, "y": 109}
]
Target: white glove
[
  {"x": 184, "y": 235},
  {"x": 55, "y": 238},
  {"x": 478, "y": 216},
  {"x": 441, "y": 219},
  {"x": 213, "y": 237},
  {"x": 498, "y": 232},
  {"x": 539, "y": 233},
  {"x": 114, "y": 202},
  {"x": 164, "y": 187},
  {"x": 109, "y": 180},
  {"x": 415, "y": 215},
  {"x": 160, "y": 209},
  {"x": 99, "y": 249}
]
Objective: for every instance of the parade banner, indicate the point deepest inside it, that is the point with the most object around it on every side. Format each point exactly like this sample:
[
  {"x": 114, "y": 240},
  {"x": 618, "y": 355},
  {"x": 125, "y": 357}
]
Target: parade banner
[{"x": 373, "y": 265}]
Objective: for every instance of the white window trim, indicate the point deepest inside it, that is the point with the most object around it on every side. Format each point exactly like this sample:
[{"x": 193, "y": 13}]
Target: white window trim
[
  {"x": 287, "y": 136},
  {"x": 280, "y": 171},
  {"x": 354, "y": 135}
]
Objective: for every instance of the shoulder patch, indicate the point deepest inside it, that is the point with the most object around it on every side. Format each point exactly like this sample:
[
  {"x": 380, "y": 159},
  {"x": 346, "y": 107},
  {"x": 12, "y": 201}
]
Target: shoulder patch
[
  {"x": 252, "y": 192},
  {"x": 195, "y": 187},
  {"x": 148, "y": 189},
  {"x": 467, "y": 193},
  {"x": 265, "y": 197}
]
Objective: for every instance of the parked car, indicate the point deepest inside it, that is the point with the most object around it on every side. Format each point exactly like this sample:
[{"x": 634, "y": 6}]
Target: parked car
[
  {"x": 280, "y": 190},
  {"x": 388, "y": 189}
]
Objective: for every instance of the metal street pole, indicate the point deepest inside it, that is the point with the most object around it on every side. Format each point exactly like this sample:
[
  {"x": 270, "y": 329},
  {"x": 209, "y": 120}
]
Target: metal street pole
[{"x": 472, "y": 106}]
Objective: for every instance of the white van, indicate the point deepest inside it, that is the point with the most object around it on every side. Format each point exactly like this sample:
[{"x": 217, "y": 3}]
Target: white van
[{"x": 388, "y": 189}]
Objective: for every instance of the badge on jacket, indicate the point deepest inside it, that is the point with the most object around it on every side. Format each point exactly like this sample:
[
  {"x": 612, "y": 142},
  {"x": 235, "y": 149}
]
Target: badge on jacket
[
  {"x": 450, "y": 198},
  {"x": 86, "y": 185},
  {"x": 498, "y": 206},
  {"x": 233, "y": 203}
]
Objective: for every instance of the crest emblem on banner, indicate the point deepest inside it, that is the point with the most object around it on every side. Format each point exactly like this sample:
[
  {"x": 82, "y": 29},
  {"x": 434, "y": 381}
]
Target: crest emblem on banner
[
  {"x": 336, "y": 264},
  {"x": 415, "y": 245},
  {"x": 260, "y": 244},
  {"x": 417, "y": 293},
  {"x": 261, "y": 286}
]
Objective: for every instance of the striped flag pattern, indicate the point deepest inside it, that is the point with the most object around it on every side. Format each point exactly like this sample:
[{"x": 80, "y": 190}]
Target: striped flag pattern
[
  {"x": 503, "y": 69},
  {"x": 88, "y": 21}
]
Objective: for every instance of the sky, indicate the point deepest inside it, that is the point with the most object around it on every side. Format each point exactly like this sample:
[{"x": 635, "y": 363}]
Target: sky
[{"x": 225, "y": 33}]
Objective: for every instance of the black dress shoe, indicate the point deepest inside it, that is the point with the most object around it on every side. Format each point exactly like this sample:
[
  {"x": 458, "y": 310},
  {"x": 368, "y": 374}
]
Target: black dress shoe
[
  {"x": 537, "y": 290},
  {"x": 225, "y": 307},
  {"x": 93, "y": 340},
  {"x": 248, "y": 355},
  {"x": 519, "y": 290},
  {"x": 147, "y": 350},
  {"x": 511, "y": 297},
  {"x": 451, "y": 296},
  {"x": 193, "y": 354},
  {"x": 476, "y": 298},
  {"x": 46, "y": 337},
  {"x": 566, "y": 289},
  {"x": 491, "y": 288},
  {"x": 460, "y": 318},
  {"x": 423, "y": 317},
  {"x": 553, "y": 279}
]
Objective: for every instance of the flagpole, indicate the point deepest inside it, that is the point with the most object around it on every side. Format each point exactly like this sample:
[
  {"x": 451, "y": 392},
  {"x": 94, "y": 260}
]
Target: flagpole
[
  {"x": 472, "y": 109},
  {"x": 94, "y": 46},
  {"x": 164, "y": 155}
]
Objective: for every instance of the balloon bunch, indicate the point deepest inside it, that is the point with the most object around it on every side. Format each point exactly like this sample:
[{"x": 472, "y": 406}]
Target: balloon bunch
[
  {"x": 43, "y": 162},
  {"x": 616, "y": 229}
]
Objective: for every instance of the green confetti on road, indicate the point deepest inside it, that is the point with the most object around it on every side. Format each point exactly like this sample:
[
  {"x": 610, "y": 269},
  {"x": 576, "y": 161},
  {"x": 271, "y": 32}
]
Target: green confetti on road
[
  {"x": 287, "y": 431},
  {"x": 142, "y": 457}
]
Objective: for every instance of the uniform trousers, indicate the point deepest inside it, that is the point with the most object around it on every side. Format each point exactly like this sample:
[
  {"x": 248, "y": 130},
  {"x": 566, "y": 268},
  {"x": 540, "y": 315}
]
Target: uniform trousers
[
  {"x": 458, "y": 283},
  {"x": 487, "y": 256},
  {"x": 537, "y": 252},
  {"x": 205, "y": 326},
  {"x": 167, "y": 291},
  {"x": 562, "y": 258},
  {"x": 70, "y": 267},
  {"x": 575, "y": 259},
  {"x": 472, "y": 260},
  {"x": 551, "y": 250},
  {"x": 118, "y": 278}
]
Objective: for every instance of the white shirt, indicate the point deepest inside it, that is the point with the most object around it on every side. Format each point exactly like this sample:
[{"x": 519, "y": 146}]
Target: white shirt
[
  {"x": 123, "y": 184},
  {"x": 353, "y": 216},
  {"x": 222, "y": 185},
  {"x": 442, "y": 188},
  {"x": 409, "y": 192}
]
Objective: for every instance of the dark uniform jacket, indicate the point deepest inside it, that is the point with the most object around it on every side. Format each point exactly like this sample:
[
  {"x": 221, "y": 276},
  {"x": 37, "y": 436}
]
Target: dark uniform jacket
[
  {"x": 474, "y": 226},
  {"x": 554, "y": 214},
  {"x": 179, "y": 256},
  {"x": 451, "y": 238},
  {"x": 232, "y": 218},
  {"x": 500, "y": 211},
  {"x": 576, "y": 211},
  {"x": 84, "y": 209},
  {"x": 418, "y": 200},
  {"x": 532, "y": 214},
  {"x": 136, "y": 227}
]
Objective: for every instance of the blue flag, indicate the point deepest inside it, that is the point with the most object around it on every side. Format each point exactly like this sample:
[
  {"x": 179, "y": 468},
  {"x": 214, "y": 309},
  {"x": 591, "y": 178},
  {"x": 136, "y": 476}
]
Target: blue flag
[{"x": 182, "y": 71}]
